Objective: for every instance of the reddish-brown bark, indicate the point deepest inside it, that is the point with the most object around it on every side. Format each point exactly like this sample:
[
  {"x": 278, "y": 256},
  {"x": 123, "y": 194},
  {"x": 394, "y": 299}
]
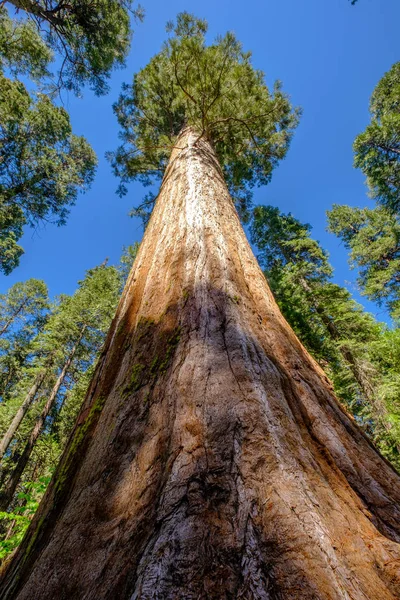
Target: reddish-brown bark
[{"x": 210, "y": 459}]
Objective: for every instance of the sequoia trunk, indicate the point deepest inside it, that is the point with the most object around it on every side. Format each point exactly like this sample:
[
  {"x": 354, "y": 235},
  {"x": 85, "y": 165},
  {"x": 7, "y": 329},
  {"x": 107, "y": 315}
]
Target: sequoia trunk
[{"x": 210, "y": 458}]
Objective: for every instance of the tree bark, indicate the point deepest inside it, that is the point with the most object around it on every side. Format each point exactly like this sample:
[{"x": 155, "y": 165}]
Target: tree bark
[
  {"x": 7, "y": 494},
  {"x": 210, "y": 459}
]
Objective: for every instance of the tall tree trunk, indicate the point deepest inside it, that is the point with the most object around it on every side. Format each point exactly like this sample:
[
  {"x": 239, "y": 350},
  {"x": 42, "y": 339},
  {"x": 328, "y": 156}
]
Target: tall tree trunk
[
  {"x": 210, "y": 458},
  {"x": 7, "y": 494},
  {"x": 21, "y": 412}
]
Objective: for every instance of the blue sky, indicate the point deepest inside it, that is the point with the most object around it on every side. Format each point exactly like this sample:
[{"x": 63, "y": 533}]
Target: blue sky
[{"x": 329, "y": 56}]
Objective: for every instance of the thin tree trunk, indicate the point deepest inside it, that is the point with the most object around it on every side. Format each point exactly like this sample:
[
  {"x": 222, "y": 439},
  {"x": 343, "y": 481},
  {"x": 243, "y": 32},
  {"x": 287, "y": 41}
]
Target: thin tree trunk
[
  {"x": 210, "y": 459},
  {"x": 21, "y": 412},
  {"x": 12, "y": 318},
  {"x": 9, "y": 530},
  {"x": 7, "y": 494}
]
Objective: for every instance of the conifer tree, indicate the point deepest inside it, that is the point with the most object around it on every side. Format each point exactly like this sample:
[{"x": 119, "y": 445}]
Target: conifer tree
[
  {"x": 210, "y": 458},
  {"x": 24, "y": 302},
  {"x": 216, "y": 90},
  {"x": 332, "y": 326},
  {"x": 372, "y": 235},
  {"x": 91, "y": 38},
  {"x": 377, "y": 149},
  {"x": 43, "y": 164},
  {"x": 23, "y": 311},
  {"x": 75, "y": 330},
  {"x": 373, "y": 238},
  {"x": 45, "y": 429}
]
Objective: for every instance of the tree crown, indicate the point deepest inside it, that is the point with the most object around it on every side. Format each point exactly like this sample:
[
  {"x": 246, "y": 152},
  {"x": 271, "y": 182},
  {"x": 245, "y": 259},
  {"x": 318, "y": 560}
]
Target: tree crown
[
  {"x": 377, "y": 149},
  {"x": 91, "y": 38},
  {"x": 42, "y": 165},
  {"x": 216, "y": 90},
  {"x": 373, "y": 238},
  {"x": 283, "y": 240}
]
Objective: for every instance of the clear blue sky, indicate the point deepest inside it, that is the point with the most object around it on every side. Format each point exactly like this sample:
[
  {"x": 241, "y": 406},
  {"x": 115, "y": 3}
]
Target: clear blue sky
[{"x": 329, "y": 56}]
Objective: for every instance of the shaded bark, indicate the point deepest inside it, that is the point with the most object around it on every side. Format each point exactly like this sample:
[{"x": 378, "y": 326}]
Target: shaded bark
[
  {"x": 210, "y": 459},
  {"x": 7, "y": 494}
]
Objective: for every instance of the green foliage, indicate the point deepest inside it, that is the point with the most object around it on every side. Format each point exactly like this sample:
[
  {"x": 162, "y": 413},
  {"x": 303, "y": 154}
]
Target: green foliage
[
  {"x": 373, "y": 238},
  {"x": 284, "y": 240},
  {"x": 42, "y": 165},
  {"x": 385, "y": 354},
  {"x": 84, "y": 319},
  {"x": 24, "y": 303},
  {"x": 335, "y": 329},
  {"x": 90, "y": 38},
  {"x": 377, "y": 149},
  {"x": 23, "y": 313},
  {"x": 215, "y": 90},
  {"x": 17, "y": 521},
  {"x": 22, "y": 49}
]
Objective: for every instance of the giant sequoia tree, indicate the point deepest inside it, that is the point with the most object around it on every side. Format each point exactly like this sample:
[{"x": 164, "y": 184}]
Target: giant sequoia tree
[{"x": 210, "y": 458}]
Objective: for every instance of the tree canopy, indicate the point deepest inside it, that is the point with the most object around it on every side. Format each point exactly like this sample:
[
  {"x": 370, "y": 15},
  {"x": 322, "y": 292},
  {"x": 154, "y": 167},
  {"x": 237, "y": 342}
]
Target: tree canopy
[
  {"x": 58, "y": 346},
  {"x": 91, "y": 38},
  {"x": 377, "y": 149},
  {"x": 43, "y": 165},
  {"x": 213, "y": 88},
  {"x": 373, "y": 238}
]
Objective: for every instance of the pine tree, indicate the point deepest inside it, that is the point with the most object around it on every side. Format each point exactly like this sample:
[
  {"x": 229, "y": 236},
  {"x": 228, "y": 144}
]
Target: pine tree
[
  {"x": 377, "y": 149},
  {"x": 24, "y": 302},
  {"x": 372, "y": 235},
  {"x": 23, "y": 312},
  {"x": 332, "y": 326},
  {"x": 74, "y": 331},
  {"x": 210, "y": 458},
  {"x": 385, "y": 354},
  {"x": 373, "y": 238},
  {"x": 45, "y": 430},
  {"x": 43, "y": 164}
]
